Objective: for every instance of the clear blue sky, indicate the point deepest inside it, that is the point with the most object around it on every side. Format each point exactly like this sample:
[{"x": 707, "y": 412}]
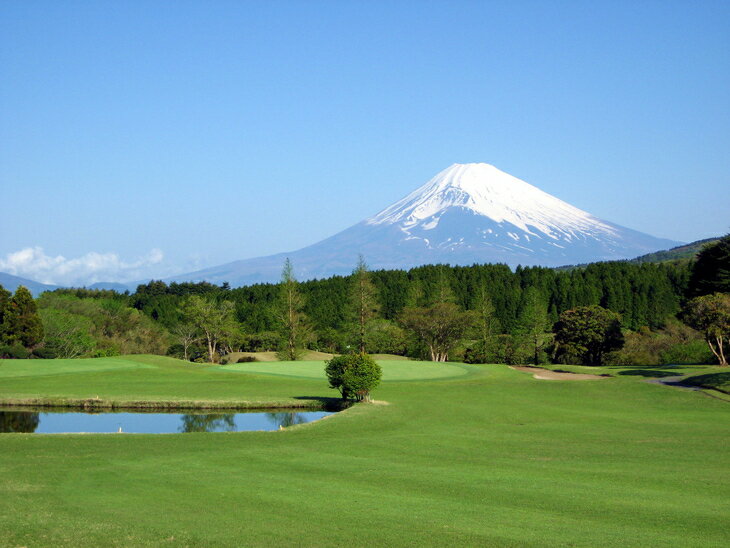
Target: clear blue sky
[{"x": 215, "y": 131}]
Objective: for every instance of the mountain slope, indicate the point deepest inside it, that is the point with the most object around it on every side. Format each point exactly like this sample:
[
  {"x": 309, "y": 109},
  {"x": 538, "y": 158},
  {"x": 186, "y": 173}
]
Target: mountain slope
[
  {"x": 688, "y": 251},
  {"x": 468, "y": 213},
  {"x": 11, "y": 283}
]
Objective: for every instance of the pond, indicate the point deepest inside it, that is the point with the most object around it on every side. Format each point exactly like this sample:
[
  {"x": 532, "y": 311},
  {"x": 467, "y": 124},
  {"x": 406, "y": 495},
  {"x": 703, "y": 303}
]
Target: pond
[{"x": 57, "y": 421}]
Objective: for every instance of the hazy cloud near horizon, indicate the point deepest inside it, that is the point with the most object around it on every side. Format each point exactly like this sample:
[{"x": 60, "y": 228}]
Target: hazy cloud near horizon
[{"x": 35, "y": 264}]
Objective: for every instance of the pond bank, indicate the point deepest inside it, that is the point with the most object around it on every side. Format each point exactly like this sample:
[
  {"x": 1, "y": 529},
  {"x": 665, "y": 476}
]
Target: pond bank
[{"x": 99, "y": 403}]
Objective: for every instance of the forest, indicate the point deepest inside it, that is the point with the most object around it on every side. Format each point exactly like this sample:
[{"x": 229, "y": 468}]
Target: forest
[{"x": 488, "y": 313}]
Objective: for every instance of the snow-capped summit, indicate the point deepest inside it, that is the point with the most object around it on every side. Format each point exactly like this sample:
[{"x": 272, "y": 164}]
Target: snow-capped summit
[
  {"x": 468, "y": 213},
  {"x": 485, "y": 190}
]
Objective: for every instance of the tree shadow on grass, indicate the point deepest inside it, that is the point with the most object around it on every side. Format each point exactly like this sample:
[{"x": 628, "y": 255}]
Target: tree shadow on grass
[
  {"x": 718, "y": 381},
  {"x": 648, "y": 373}
]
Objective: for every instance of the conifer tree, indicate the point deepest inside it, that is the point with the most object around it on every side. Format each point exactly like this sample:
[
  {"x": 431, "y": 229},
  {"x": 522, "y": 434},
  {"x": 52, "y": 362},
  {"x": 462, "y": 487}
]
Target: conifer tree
[
  {"x": 533, "y": 322},
  {"x": 21, "y": 320},
  {"x": 711, "y": 271},
  {"x": 291, "y": 317},
  {"x": 364, "y": 300},
  {"x": 5, "y": 297}
]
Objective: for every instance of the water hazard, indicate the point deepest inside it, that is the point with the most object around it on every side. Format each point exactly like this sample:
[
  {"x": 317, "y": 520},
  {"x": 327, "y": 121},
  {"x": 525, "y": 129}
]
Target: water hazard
[{"x": 57, "y": 421}]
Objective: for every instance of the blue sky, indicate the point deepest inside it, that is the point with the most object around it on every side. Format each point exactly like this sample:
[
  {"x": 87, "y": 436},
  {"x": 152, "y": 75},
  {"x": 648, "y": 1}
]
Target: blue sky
[{"x": 150, "y": 138}]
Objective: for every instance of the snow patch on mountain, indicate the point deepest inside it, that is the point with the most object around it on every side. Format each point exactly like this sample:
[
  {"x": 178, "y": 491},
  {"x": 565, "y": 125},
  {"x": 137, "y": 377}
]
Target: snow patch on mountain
[{"x": 487, "y": 191}]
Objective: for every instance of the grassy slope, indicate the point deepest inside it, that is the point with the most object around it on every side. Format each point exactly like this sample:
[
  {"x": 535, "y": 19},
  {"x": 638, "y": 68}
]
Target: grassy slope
[{"x": 491, "y": 458}]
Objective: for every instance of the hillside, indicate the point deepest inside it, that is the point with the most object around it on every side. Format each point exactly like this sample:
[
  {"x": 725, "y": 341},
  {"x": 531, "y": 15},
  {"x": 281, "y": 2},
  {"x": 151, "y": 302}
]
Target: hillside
[{"x": 687, "y": 251}]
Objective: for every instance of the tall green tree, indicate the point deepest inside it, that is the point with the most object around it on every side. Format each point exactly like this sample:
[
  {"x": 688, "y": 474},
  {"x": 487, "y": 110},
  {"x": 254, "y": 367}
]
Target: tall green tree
[
  {"x": 711, "y": 270},
  {"x": 588, "y": 333},
  {"x": 292, "y": 320},
  {"x": 486, "y": 325},
  {"x": 23, "y": 324},
  {"x": 214, "y": 320},
  {"x": 533, "y": 322},
  {"x": 364, "y": 300},
  {"x": 5, "y": 297},
  {"x": 710, "y": 315}
]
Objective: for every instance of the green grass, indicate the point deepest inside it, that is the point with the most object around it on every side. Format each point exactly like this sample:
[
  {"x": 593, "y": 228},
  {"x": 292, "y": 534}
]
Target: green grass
[
  {"x": 489, "y": 458},
  {"x": 392, "y": 370}
]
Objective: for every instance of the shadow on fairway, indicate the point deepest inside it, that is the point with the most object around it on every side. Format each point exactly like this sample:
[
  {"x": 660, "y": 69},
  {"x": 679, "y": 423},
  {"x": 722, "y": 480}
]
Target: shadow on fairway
[
  {"x": 649, "y": 373},
  {"x": 328, "y": 404}
]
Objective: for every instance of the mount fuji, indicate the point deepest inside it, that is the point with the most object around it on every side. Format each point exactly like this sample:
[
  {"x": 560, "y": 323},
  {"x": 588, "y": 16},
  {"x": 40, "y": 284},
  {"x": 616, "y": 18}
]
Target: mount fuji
[{"x": 468, "y": 213}]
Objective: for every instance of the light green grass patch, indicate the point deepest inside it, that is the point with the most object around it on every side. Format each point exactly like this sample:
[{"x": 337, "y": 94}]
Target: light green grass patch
[
  {"x": 34, "y": 368},
  {"x": 396, "y": 370}
]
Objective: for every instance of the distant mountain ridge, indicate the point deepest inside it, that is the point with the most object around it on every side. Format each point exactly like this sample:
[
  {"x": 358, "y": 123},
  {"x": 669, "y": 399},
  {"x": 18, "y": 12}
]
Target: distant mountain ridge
[
  {"x": 468, "y": 213},
  {"x": 11, "y": 283},
  {"x": 684, "y": 252}
]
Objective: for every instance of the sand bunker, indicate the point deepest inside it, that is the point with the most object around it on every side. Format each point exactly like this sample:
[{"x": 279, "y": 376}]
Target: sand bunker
[{"x": 547, "y": 375}]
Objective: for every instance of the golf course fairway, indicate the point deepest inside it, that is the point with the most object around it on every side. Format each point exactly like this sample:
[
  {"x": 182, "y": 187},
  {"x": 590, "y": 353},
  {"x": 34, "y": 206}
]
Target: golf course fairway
[{"x": 463, "y": 455}]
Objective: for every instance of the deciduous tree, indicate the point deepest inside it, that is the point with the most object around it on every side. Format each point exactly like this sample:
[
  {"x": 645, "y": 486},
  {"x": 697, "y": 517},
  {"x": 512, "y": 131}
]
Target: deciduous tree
[
  {"x": 213, "y": 319},
  {"x": 354, "y": 375},
  {"x": 587, "y": 333},
  {"x": 440, "y": 327},
  {"x": 710, "y": 315}
]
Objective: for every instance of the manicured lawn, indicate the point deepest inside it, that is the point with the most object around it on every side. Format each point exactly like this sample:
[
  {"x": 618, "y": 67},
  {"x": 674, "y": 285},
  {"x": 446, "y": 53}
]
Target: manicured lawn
[
  {"x": 392, "y": 370},
  {"x": 491, "y": 457}
]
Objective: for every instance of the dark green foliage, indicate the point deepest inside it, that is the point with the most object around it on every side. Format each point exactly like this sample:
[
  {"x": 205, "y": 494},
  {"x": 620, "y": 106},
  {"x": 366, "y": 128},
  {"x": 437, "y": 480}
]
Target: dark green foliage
[
  {"x": 385, "y": 337},
  {"x": 533, "y": 324},
  {"x": 20, "y": 324},
  {"x": 711, "y": 271},
  {"x": 18, "y": 422},
  {"x": 45, "y": 353},
  {"x": 642, "y": 294},
  {"x": 14, "y": 351},
  {"x": 587, "y": 334},
  {"x": 354, "y": 375}
]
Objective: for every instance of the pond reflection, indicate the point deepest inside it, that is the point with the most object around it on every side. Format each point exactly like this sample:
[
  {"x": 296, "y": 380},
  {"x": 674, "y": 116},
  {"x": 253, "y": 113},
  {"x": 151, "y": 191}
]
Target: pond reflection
[
  {"x": 284, "y": 419},
  {"x": 214, "y": 422},
  {"x": 11, "y": 421},
  {"x": 64, "y": 420}
]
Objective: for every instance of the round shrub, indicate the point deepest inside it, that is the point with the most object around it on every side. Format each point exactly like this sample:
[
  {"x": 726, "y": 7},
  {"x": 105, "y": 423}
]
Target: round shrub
[{"x": 354, "y": 375}]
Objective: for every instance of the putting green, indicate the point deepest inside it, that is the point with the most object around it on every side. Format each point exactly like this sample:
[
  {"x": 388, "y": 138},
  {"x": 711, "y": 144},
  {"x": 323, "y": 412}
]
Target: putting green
[
  {"x": 392, "y": 370},
  {"x": 34, "y": 368}
]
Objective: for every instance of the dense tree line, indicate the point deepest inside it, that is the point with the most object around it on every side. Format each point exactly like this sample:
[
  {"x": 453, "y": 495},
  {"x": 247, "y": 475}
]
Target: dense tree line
[{"x": 479, "y": 313}]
